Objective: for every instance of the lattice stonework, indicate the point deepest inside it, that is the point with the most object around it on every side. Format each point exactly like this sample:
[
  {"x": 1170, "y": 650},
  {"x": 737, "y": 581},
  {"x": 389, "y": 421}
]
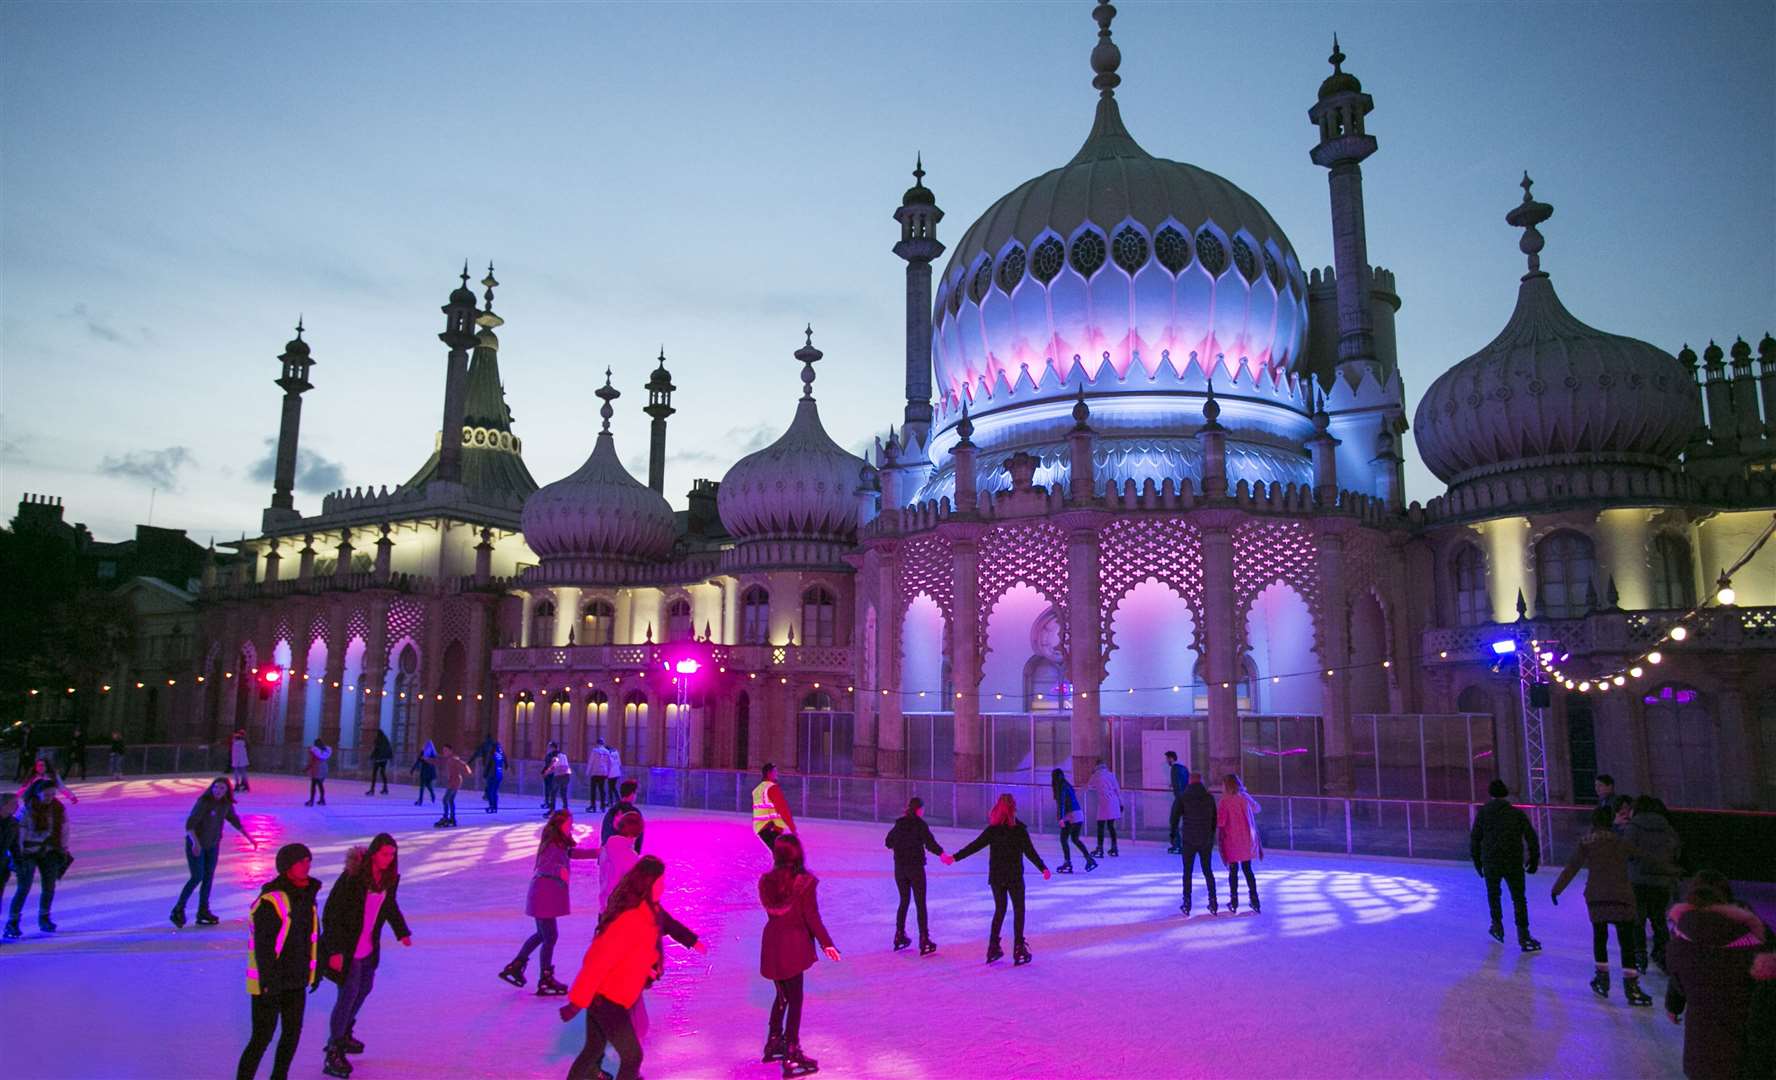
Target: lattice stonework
[
  {"x": 317, "y": 629},
  {"x": 1033, "y": 554},
  {"x": 925, "y": 565},
  {"x": 406, "y": 618},
  {"x": 1131, "y": 550},
  {"x": 1269, "y": 551},
  {"x": 456, "y": 623},
  {"x": 357, "y": 626},
  {"x": 282, "y": 634}
]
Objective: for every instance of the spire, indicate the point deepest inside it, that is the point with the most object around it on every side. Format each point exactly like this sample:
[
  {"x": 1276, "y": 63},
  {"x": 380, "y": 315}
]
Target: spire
[
  {"x": 808, "y": 355},
  {"x": 918, "y": 194},
  {"x": 1526, "y": 215},
  {"x": 487, "y": 319},
  {"x": 918, "y": 215},
  {"x": 607, "y": 393},
  {"x": 1211, "y": 409},
  {"x": 965, "y": 427},
  {"x": 1081, "y": 411},
  {"x": 1106, "y": 57},
  {"x": 1109, "y": 139},
  {"x": 659, "y": 406}
]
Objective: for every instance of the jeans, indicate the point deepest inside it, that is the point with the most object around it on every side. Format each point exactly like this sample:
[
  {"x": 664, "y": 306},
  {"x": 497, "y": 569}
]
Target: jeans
[
  {"x": 555, "y": 787},
  {"x": 317, "y": 786},
  {"x": 1626, "y": 940},
  {"x": 379, "y": 768},
  {"x": 786, "y": 1009},
  {"x": 116, "y": 763},
  {"x": 608, "y": 1023},
  {"x": 1070, "y": 831},
  {"x": 1651, "y": 902},
  {"x": 449, "y": 805},
  {"x": 425, "y": 788},
  {"x": 597, "y": 800},
  {"x": 1513, "y": 878},
  {"x": 1014, "y": 892},
  {"x": 1177, "y": 815},
  {"x": 910, "y": 880},
  {"x": 49, "y": 863},
  {"x": 1111, "y": 825},
  {"x": 545, "y": 935},
  {"x": 202, "y": 865},
  {"x": 1233, "y": 892},
  {"x": 269, "y": 1010},
  {"x": 1191, "y": 856},
  {"x": 354, "y": 987}
]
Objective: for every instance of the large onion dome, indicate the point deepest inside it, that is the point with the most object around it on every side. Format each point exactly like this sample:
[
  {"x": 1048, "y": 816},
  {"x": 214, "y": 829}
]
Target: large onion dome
[
  {"x": 1550, "y": 392},
  {"x": 801, "y": 487},
  {"x": 599, "y": 511}
]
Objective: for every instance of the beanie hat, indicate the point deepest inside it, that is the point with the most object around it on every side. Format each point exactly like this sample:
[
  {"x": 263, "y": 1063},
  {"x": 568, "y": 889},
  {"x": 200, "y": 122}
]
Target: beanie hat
[{"x": 291, "y": 854}]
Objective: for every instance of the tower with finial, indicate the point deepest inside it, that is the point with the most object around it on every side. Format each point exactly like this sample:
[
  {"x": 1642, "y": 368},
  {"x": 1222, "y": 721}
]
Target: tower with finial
[
  {"x": 296, "y": 360},
  {"x": 918, "y": 216},
  {"x": 1343, "y": 145},
  {"x": 458, "y": 336},
  {"x": 659, "y": 406}
]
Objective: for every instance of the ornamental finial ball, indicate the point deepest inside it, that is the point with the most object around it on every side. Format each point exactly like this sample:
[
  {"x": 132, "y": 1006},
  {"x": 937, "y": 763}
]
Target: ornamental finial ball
[{"x": 1105, "y": 57}]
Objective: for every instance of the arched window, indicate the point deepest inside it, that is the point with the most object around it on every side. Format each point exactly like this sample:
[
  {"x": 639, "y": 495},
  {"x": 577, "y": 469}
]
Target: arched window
[
  {"x": 1674, "y": 580},
  {"x": 1472, "y": 606},
  {"x": 819, "y": 608},
  {"x": 597, "y": 718},
  {"x": 755, "y": 616},
  {"x": 1244, "y": 689},
  {"x": 598, "y": 620},
  {"x": 1683, "y": 746},
  {"x": 542, "y": 623},
  {"x": 678, "y": 621},
  {"x": 1565, "y": 569},
  {"x": 635, "y": 722},
  {"x": 406, "y": 708},
  {"x": 560, "y": 718},
  {"x": 817, "y": 701},
  {"x": 523, "y": 725}
]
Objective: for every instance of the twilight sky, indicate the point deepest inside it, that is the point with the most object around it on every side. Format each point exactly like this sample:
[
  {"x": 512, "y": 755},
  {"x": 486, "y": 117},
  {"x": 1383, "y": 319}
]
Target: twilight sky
[{"x": 179, "y": 181}]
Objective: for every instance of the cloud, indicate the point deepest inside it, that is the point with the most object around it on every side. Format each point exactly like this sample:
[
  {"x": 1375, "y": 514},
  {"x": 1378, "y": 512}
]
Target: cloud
[
  {"x": 314, "y": 472},
  {"x": 159, "y": 468},
  {"x": 104, "y": 331}
]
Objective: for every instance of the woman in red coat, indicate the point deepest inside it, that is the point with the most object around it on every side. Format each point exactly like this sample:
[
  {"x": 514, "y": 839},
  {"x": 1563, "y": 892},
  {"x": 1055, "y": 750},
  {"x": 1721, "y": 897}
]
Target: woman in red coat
[
  {"x": 787, "y": 950},
  {"x": 619, "y": 964}
]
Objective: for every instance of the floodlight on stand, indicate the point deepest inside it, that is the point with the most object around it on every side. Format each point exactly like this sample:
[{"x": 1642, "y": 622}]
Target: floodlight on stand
[{"x": 1504, "y": 647}]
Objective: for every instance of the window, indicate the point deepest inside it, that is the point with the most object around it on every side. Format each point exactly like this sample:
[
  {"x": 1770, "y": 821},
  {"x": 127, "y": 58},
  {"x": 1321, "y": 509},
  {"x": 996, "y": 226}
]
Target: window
[
  {"x": 755, "y": 616},
  {"x": 817, "y": 701},
  {"x": 542, "y": 623},
  {"x": 635, "y": 718},
  {"x": 818, "y": 609},
  {"x": 523, "y": 725},
  {"x": 1683, "y": 746},
  {"x": 1471, "y": 604},
  {"x": 678, "y": 621},
  {"x": 406, "y": 706},
  {"x": 560, "y": 717},
  {"x": 598, "y": 620},
  {"x": 597, "y": 718},
  {"x": 1565, "y": 566},
  {"x": 1674, "y": 580}
]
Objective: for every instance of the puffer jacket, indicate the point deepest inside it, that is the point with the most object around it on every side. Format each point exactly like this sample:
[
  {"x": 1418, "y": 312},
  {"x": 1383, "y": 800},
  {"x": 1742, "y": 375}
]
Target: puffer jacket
[
  {"x": 1503, "y": 840},
  {"x": 1710, "y": 960},
  {"x": 1656, "y": 850}
]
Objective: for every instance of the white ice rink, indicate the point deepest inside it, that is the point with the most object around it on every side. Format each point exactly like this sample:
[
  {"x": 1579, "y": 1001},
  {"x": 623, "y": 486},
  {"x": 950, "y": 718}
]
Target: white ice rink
[{"x": 1357, "y": 967}]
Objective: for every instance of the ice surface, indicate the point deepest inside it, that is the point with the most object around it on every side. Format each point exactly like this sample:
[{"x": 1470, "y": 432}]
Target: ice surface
[{"x": 1357, "y": 967}]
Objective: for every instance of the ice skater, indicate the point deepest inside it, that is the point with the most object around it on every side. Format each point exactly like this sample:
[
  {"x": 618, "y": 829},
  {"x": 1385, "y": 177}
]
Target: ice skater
[
  {"x": 557, "y": 775},
  {"x": 625, "y": 804},
  {"x": 203, "y": 846},
  {"x": 238, "y": 760},
  {"x": 318, "y": 753},
  {"x": 285, "y": 921},
  {"x": 380, "y": 756},
  {"x": 1504, "y": 847},
  {"x": 910, "y": 839},
  {"x": 623, "y": 956},
  {"x": 1195, "y": 816},
  {"x": 786, "y": 951},
  {"x": 616, "y": 859},
  {"x": 1102, "y": 783},
  {"x": 770, "y": 810},
  {"x": 1009, "y": 844},
  {"x": 1720, "y": 967},
  {"x": 485, "y": 750},
  {"x": 1236, "y": 826},
  {"x": 1180, "y": 780},
  {"x": 42, "y": 853},
  {"x": 9, "y": 841},
  {"x": 42, "y": 772},
  {"x": 546, "y": 901},
  {"x": 426, "y": 765},
  {"x": 76, "y": 752},
  {"x": 116, "y": 756},
  {"x": 598, "y": 764},
  {"x": 362, "y": 901},
  {"x": 1654, "y": 872},
  {"x": 456, "y": 773},
  {"x": 1609, "y": 900},
  {"x": 492, "y": 773},
  {"x": 1072, "y": 821}
]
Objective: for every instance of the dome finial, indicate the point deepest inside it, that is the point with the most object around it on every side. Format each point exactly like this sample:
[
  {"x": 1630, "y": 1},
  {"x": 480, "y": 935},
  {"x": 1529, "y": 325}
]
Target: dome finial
[
  {"x": 298, "y": 327},
  {"x": 1526, "y": 215},
  {"x": 487, "y": 319},
  {"x": 465, "y": 273},
  {"x": 1211, "y": 409},
  {"x": 918, "y": 167},
  {"x": 1106, "y": 57},
  {"x": 808, "y": 355},
  {"x": 1337, "y": 57},
  {"x": 607, "y": 393},
  {"x": 1081, "y": 411},
  {"x": 965, "y": 427}
]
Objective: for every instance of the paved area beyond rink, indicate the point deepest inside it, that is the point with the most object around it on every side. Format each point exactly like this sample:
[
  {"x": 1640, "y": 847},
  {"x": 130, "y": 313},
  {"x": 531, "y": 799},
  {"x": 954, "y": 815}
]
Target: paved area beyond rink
[{"x": 1357, "y": 967}]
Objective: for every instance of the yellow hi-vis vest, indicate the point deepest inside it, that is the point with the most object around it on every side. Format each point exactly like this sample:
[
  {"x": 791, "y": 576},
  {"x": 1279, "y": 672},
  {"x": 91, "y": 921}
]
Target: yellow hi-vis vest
[
  {"x": 280, "y": 904},
  {"x": 764, "y": 811}
]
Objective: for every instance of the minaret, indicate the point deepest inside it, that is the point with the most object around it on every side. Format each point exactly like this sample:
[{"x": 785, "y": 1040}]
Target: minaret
[
  {"x": 1343, "y": 146},
  {"x": 659, "y": 406},
  {"x": 918, "y": 216},
  {"x": 459, "y": 337},
  {"x": 294, "y": 381}
]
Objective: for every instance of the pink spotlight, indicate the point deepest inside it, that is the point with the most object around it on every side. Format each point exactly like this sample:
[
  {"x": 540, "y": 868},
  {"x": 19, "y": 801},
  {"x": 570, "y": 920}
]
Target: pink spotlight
[{"x": 687, "y": 667}]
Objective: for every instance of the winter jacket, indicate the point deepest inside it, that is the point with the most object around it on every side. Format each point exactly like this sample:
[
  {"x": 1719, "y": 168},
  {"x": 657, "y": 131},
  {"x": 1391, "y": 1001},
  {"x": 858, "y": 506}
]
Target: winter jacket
[
  {"x": 384, "y": 750},
  {"x": 1103, "y": 784},
  {"x": 621, "y": 960},
  {"x": 1503, "y": 840},
  {"x": 1067, "y": 808},
  {"x": 283, "y": 954},
  {"x": 598, "y": 762},
  {"x": 317, "y": 761},
  {"x": 609, "y": 828},
  {"x": 793, "y": 925},
  {"x": 485, "y": 750},
  {"x": 1709, "y": 960},
  {"x": 548, "y": 895},
  {"x": 342, "y": 922},
  {"x": 456, "y": 770},
  {"x": 237, "y": 753},
  {"x": 677, "y": 931},
  {"x": 1236, "y": 826},
  {"x": 1608, "y": 895},
  {"x": 1180, "y": 777},
  {"x": 51, "y": 838},
  {"x": 614, "y": 860},
  {"x": 206, "y": 820},
  {"x": 495, "y": 769},
  {"x": 427, "y": 769},
  {"x": 616, "y": 765},
  {"x": 1196, "y": 827},
  {"x": 1656, "y": 849},
  {"x": 1009, "y": 846},
  {"x": 910, "y": 839}
]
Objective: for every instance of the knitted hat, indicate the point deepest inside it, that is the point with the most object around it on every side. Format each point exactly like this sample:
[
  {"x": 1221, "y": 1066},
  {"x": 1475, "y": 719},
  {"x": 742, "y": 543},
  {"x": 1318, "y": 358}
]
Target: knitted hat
[{"x": 291, "y": 854}]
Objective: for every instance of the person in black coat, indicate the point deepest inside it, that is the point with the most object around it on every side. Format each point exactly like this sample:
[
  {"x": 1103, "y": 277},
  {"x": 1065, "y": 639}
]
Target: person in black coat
[
  {"x": 1504, "y": 847},
  {"x": 910, "y": 839},
  {"x": 278, "y": 978},
  {"x": 1009, "y": 845},
  {"x": 348, "y": 953},
  {"x": 1179, "y": 775},
  {"x": 625, "y": 804},
  {"x": 380, "y": 756},
  {"x": 1195, "y": 813}
]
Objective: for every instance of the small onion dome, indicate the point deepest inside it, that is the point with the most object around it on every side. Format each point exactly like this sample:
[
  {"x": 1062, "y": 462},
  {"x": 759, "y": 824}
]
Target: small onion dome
[
  {"x": 295, "y": 347},
  {"x": 1340, "y": 81},
  {"x": 918, "y": 194}
]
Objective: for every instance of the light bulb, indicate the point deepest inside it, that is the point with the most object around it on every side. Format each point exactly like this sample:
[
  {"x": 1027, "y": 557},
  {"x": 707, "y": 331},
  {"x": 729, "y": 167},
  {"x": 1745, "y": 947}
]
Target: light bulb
[
  {"x": 1637, "y": 671},
  {"x": 1725, "y": 593},
  {"x": 1678, "y": 633},
  {"x": 1585, "y": 687},
  {"x": 1655, "y": 657},
  {"x": 1619, "y": 680}
]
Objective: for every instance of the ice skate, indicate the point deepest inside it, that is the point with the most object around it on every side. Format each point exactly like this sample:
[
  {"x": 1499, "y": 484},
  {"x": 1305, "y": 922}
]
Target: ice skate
[
  {"x": 774, "y": 1046},
  {"x": 927, "y": 946},
  {"x": 1527, "y": 943},
  {"x": 797, "y": 1063},
  {"x": 513, "y": 973},
  {"x": 994, "y": 952},
  {"x": 1020, "y": 953},
  {"x": 1635, "y": 995},
  {"x": 178, "y": 917},
  {"x": 1115, "y": 852},
  {"x": 1174, "y": 850},
  {"x": 335, "y": 1063},
  {"x": 1257, "y": 908},
  {"x": 1214, "y": 909},
  {"x": 1600, "y": 984},
  {"x": 548, "y": 985},
  {"x": 901, "y": 941},
  {"x": 1090, "y": 864},
  {"x": 1064, "y": 868},
  {"x": 207, "y": 918},
  {"x": 1185, "y": 908},
  {"x": 44, "y": 924},
  {"x": 1097, "y": 853},
  {"x": 1497, "y": 932},
  {"x": 350, "y": 1043}
]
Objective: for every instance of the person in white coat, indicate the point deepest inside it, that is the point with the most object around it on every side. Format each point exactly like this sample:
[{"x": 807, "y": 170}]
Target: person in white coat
[
  {"x": 613, "y": 776},
  {"x": 598, "y": 764},
  {"x": 1109, "y": 796},
  {"x": 237, "y": 760}
]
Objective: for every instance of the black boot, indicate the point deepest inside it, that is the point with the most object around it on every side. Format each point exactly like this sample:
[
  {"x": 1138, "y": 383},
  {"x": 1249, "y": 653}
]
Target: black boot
[
  {"x": 1635, "y": 995},
  {"x": 901, "y": 941},
  {"x": 335, "y": 1063},
  {"x": 994, "y": 952},
  {"x": 206, "y": 917},
  {"x": 513, "y": 972},
  {"x": 1064, "y": 868},
  {"x": 178, "y": 917},
  {"x": 927, "y": 946},
  {"x": 797, "y": 1063},
  {"x": 12, "y": 930},
  {"x": 350, "y": 1043},
  {"x": 1600, "y": 984},
  {"x": 774, "y": 1047},
  {"x": 1527, "y": 943},
  {"x": 1098, "y": 852},
  {"x": 1090, "y": 864},
  {"x": 1497, "y": 932},
  {"x": 547, "y": 986},
  {"x": 1185, "y": 908},
  {"x": 44, "y": 924},
  {"x": 1020, "y": 953}
]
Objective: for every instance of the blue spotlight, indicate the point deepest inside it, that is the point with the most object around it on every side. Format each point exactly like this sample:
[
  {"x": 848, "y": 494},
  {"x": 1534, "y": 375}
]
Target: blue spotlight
[{"x": 1505, "y": 647}]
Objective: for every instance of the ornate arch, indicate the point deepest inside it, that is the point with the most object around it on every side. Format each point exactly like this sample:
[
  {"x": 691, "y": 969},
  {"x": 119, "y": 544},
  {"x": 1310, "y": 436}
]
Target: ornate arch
[
  {"x": 1028, "y": 553},
  {"x": 926, "y": 564},
  {"x": 1265, "y": 552},
  {"x": 1133, "y": 550}
]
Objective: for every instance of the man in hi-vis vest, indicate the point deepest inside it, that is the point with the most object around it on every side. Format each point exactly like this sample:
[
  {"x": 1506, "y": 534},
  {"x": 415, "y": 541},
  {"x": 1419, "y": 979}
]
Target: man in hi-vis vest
[{"x": 770, "y": 810}]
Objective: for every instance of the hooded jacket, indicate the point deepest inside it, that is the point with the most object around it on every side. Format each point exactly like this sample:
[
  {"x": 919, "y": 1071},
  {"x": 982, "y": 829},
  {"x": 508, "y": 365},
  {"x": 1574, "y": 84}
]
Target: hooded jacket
[
  {"x": 1710, "y": 960},
  {"x": 792, "y": 926},
  {"x": 1503, "y": 840},
  {"x": 910, "y": 839},
  {"x": 1196, "y": 826},
  {"x": 1656, "y": 849},
  {"x": 271, "y": 969},
  {"x": 621, "y": 960},
  {"x": 342, "y": 923},
  {"x": 1608, "y": 895}
]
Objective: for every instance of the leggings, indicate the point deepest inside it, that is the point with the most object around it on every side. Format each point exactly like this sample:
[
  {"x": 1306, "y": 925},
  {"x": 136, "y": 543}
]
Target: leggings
[
  {"x": 910, "y": 880},
  {"x": 545, "y": 936},
  {"x": 28, "y": 865},
  {"x": 1233, "y": 891},
  {"x": 270, "y": 1009},
  {"x": 1070, "y": 831},
  {"x": 1191, "y": 856},
  {"x": 379, "y": 768},
  {"x": 317, "y": 786},
  {"x": 608, "y": 1023},
  {"x": 1651, "y": 902},
  {"x": 1013, "y": 891},
  {"x": 202, "y": 865},
  {"x": 786, "y": 1010},
  {"x": 1626, "y": 940},
  {"x": 1102, "y": 825}
]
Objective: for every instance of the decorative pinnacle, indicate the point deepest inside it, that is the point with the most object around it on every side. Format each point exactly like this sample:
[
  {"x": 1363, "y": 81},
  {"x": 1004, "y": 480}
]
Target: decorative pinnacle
[
  {"x": 299, "y": 328},
  {"x": 918, "y": 169},
  {"x": 965, "y": 427},
  {"x": 465, "y": 273},
  {"x": 607, "y": 393},
  {"x": 1526, "y": 215},
  {"x": 808, "y": 355},
  {"x": 1337, "y": 57},
  {"x": 1211, "y": 409},
  {"x": 1081, "y": 411},
  {"x": 489, "y": 283},
  {"x": 1106, "y": 57}
]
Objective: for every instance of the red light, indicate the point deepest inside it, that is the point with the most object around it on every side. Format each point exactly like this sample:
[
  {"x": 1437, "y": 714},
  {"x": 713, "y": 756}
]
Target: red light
[{"x": 271, "y": 675}]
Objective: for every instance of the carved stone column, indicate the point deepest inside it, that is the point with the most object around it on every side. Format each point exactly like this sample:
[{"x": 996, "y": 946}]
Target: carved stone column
[
  {"x": 965, "y": 657},
  {"x": 1085, "y": 654},
  {"x": 1220, "y": 643}
]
